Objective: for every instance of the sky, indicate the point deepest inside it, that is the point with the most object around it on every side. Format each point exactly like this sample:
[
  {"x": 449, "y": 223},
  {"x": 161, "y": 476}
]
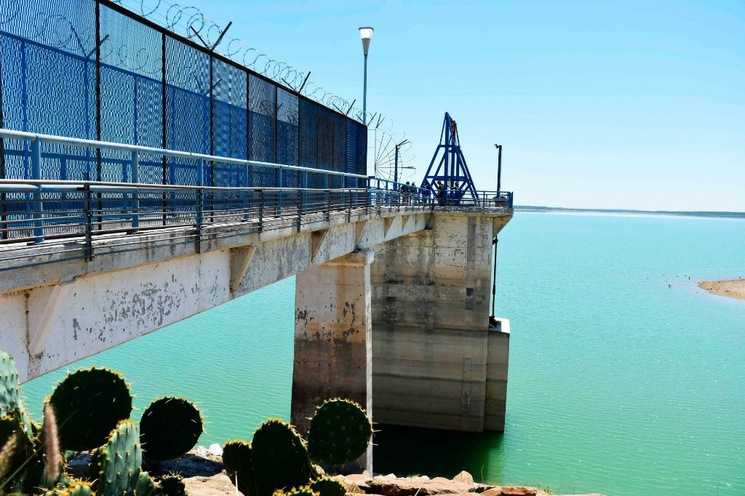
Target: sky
[{"x": 633, "y": 104}]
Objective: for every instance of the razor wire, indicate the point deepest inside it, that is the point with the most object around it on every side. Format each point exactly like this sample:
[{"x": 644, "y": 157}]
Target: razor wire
[
  {"x": 191, "y": 23},
  {"x": 59, "y": 31}
]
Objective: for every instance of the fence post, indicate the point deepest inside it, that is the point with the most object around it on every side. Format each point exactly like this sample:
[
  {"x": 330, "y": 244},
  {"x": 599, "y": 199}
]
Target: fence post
[
  {"x": 304, "y": 185},
  {"x": 261, "y": 210},
  {"x": 299, "y": 203},
  {"x": 38, "y": 206},
  {"x": 343, "y": 192},
  {"x": 327, "y": 198},
  {"x": 199, "y": 219},
  {"x": 246, "y": 194},
  {"x": 279, "y": 193},
  {"x": 88, "y": 248},
  {"x": 136, "y": 193}
]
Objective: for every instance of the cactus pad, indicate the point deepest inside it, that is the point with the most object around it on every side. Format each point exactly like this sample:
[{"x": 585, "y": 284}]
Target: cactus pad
[
  {"x": 327, "y": 486},
  {"x": 172, "y": 485},
  {"x": 339, "y": 432},
  {"x": 280, "y": 458},
  {"x": 10, "y": 392},
  {"x": 89, "y": 403},
  {"x": 238, "y": 460},
  {"x": 300, "y": 491},
  {"x": 145, "y": 485},
  {"x": 118, "y": 462},
  {"x": 75, "y": 488},
  {"x": 169, "y": 428}
]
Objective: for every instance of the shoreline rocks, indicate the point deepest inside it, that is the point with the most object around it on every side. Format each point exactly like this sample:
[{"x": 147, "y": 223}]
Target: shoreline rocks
[{"x": 204, "y": 476}]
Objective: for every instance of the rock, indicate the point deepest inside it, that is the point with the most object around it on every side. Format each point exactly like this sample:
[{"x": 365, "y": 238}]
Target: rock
[
  {"x": 494, "y": 491},
  {"x": 203, "y": 474},
  {"x": 387, "y": 486},
  {"x": 519, "y": 491},
  {"x": 215, "y": 449},
  {"x": 217, "y": 485},
  {"x": 464, "y": 477}
]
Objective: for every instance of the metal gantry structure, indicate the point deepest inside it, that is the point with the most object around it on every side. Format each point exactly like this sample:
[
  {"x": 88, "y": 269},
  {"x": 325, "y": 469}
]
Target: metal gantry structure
[{"x": 449, "y": 178}]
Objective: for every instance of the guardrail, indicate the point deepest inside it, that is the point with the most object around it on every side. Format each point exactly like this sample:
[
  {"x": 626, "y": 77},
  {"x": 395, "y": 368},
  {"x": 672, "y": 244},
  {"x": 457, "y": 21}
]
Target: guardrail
[{"x": 37, "y": 209}]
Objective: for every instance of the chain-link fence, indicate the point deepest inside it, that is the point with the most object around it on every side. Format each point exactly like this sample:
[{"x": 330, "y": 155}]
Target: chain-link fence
[{"x": 92, "y": 69}]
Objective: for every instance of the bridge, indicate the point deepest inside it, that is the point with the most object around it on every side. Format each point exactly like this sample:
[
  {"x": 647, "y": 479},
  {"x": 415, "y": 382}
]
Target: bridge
[{"x": 104, "y": 240}]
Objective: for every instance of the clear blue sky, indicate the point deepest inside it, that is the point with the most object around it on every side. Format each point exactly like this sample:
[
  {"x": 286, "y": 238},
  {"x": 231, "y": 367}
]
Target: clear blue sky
[{"x": 633, "y": 104}]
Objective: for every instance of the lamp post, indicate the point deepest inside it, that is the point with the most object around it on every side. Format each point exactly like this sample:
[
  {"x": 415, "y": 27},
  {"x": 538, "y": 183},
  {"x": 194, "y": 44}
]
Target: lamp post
[
  {"x": 395, "y": 161},
  {"x": 366, "y": 33},
  {"x": 499, "y": 169}
]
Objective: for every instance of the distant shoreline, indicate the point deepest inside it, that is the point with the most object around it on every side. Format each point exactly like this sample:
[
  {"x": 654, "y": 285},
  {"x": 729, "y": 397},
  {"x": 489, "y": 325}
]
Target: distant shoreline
[
  {"x": 726, "y": 215},
  {"x": 732, "y": 288}
]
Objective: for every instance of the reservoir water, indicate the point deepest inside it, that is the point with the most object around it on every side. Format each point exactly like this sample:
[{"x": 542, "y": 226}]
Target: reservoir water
[{"x": 625, "y": 377}]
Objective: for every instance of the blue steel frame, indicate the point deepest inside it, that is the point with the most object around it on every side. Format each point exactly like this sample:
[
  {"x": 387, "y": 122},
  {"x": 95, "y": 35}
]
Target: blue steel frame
[{"x": 451, "y": 170}]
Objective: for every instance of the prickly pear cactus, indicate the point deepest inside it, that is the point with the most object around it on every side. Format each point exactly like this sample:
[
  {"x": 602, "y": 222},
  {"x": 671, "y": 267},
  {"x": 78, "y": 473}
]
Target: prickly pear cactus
[
  {"x": 280, "y": 458},
  {"x": 10, "y": 392},
  {"x": 327, "y": 486},
  {"x": 339, "y": 432},
  {"x": 118, "y": 462},
  {"x": 172, "y": 485},
  {"x": 299, "y": 491},
  {"x": 145, "y": 485},
  {"x": 21, "y": 460},
  {"x": 238, "y": 460},
  {"x": 79, "y": 489},
  {"x": 89, "y": 403},
  {"x": 169, "y": 428},
  {"x": 75, "y": 488},
  {"x": 316, "y": 471}
]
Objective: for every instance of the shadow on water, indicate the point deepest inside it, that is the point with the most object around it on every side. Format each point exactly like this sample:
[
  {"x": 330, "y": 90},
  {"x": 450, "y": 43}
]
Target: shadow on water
[{"x": 408, "y": 451}]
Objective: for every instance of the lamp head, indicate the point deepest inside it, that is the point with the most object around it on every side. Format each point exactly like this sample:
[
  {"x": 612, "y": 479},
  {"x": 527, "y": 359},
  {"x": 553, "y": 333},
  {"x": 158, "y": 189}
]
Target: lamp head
[{"x": 366, "y": 33}]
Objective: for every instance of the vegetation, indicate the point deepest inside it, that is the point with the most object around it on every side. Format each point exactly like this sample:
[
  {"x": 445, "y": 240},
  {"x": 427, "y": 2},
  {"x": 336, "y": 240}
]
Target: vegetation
[
  {"x": 89, "y": 410},
  {"x": 278, "y": 461}
]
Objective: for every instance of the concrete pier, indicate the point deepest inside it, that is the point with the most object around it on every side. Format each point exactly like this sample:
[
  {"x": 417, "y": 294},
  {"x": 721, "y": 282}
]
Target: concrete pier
[
  {"x": 333, "y": 349},
  {"x": 436, "y": 364},
  {"x": 333, "y": 345}
]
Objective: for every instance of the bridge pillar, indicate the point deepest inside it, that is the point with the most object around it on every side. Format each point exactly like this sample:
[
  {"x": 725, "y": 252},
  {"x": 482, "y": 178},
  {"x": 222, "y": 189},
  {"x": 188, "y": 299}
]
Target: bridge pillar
[
  {"x": 436, "y": 362},
  {"x": 333, "y": 346}
]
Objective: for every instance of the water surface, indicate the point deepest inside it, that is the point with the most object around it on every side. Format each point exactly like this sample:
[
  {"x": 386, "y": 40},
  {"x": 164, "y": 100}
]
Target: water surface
[{"x": 625, "y": 377}]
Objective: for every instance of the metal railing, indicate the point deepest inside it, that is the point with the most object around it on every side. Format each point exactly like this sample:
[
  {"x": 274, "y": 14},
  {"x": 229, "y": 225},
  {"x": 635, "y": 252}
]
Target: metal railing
[{"x": 36, "y": 210}]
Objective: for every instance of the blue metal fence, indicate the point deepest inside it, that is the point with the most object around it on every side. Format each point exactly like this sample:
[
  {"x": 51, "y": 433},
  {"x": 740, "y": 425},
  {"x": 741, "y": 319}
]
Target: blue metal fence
[{"x": 90, "y": 69}]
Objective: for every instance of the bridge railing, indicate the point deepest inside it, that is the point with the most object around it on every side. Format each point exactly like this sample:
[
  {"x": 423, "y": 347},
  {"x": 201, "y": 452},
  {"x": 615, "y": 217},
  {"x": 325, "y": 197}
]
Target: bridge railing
[{"x": 39, "y": 209}]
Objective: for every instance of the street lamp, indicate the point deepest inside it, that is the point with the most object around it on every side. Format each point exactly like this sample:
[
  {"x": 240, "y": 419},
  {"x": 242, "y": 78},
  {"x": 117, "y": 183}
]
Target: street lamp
[
  {"x": 366, "y": 33},
  {"x": 395, "y": 161},
  {"x": 499, "y": 169}
]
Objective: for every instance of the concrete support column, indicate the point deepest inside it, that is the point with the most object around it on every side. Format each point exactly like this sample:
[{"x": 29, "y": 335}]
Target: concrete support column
[
  {"x": 437, "y": 364},
  {"x": 333, "y": 345}
]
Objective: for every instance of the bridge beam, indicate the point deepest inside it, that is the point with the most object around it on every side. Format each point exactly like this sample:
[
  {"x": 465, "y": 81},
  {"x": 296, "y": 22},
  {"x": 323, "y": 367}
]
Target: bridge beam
[{"x": 333, "y": 346}]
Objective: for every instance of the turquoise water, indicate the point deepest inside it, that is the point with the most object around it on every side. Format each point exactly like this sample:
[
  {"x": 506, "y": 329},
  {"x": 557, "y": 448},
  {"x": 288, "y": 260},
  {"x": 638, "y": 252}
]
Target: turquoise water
[{"x": 625, "y": 378}]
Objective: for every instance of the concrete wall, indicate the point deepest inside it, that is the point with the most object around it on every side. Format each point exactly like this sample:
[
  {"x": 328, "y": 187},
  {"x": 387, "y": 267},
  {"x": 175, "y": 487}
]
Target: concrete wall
[
  {"x": 432, "y": 355},
  {"x": 64, "y": 310}
]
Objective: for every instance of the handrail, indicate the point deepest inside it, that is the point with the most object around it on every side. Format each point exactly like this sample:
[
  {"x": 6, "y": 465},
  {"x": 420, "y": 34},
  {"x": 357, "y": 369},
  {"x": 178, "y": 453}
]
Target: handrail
[
  {"x": 35, "y": 209},
  {"x": 109, "y": 145}
]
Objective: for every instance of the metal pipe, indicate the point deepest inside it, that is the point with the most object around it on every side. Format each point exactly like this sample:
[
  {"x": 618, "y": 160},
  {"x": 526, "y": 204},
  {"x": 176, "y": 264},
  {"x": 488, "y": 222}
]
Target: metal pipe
[
  {"x": 494, "y": 278},
  {"x": 364, "y": 95}
]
